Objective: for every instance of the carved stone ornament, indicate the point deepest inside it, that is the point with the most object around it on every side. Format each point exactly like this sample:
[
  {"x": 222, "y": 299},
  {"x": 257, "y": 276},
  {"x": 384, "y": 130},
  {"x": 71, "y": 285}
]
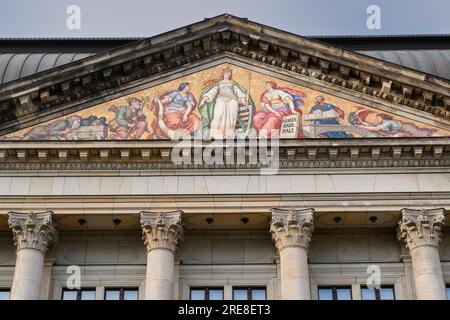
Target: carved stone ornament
[
  {"x": 32, "y": 230},
  {"x": 292, "y": 227},
  {"x": 161, "y": 229},
  {"x": 421, "y": 227}
]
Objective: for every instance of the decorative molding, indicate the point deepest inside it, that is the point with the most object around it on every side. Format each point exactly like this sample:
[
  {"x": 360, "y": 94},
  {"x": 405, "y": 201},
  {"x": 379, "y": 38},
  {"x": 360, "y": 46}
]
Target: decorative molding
[
  {"x": 292, "y": 227},
  {"x": 283, "y": 165},
  {"x": 32, "y": 230},
  {"x": 421, "y": 227},
  {"x": 293, "y": 154},
  {"x": 161, "y": 229}
]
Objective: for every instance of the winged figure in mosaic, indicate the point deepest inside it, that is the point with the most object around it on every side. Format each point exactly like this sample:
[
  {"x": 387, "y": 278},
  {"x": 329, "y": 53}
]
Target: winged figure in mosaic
[{"x": 385, "y": 125}]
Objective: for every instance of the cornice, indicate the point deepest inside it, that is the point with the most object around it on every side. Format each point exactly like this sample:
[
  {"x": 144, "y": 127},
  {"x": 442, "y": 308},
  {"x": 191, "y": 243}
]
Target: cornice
[
  {"x": 107, "y": 72},
  {"x": 293, "y": 154}
]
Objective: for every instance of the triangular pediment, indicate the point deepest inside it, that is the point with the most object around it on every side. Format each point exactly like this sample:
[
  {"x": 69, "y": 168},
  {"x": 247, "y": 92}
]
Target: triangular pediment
[
  {"x": 211, "y": 101},
  {"x": 362, "y": 96}
]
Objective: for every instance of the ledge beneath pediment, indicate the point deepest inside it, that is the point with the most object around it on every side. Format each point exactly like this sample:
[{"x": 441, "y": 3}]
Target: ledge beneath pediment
[{"x": 171, "y": 157}]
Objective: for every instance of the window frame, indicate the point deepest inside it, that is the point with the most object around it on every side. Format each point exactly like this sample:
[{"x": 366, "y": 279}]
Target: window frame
[
  {"x": 206, "y": 289},
  {"x": 334, "y": 290},
  {"x": 121, "y": 292},
  {"x": 8, "y": 290},
  {"x": 378, "y": 291},
  {"x": 249, "y": 291},
  {"x": 79, "y": 292}
]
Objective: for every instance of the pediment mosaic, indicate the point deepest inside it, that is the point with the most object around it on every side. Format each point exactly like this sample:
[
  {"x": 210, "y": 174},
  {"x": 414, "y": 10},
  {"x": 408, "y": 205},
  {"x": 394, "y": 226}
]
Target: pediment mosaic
[{"x": 223, "y": 102}]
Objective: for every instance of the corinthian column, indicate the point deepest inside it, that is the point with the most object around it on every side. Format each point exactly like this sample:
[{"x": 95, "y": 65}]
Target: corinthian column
[
  {"x": 162, "y": 231},
  {"x": 291, "y": 231},
  {"x": 420, "y": 232},
  {"x": 33, "y": 233}
]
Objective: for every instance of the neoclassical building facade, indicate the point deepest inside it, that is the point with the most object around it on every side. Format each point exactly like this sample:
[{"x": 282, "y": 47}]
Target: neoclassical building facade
[{"x": 224, "y": 160}]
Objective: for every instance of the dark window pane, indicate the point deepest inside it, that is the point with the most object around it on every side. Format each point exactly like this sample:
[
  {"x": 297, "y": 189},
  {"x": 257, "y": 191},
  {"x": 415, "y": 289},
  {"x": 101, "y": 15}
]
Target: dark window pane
[
  {"x": 112, "y": 295},
  {"x": 344, "y": 294},
  {"x": 325, "y": 294},
  {"x": 448, "y": 293},
  {"x": 130, "y": 295},
  {"x": 215, "y": 294},
  {"x": 4, "y": 295},
  {"x": 70, "y": 295},
  {"x": 240, "y": 294},
  {"x": 259, "y": 294},
  {"x": 87, "y": 295},
  {"x": 368, "y": 294},
  {"x": 198, "y": 294},
  {"x": 387, "y": 293}
]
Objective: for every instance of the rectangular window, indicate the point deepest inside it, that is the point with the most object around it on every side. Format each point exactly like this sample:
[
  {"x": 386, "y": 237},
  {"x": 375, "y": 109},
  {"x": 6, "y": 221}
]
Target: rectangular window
[
  {"x": 121, "y": 294},
  {"x": 206, "y": 293},
  {"x": 80, "y": 294},
  {"x": 383, "y": 293},
  {"x": 249, "y": 293},
  {"x": 448, "y": 292},
  {"x": 5, "y": 294},
  {"x": 335, "y": 293}
]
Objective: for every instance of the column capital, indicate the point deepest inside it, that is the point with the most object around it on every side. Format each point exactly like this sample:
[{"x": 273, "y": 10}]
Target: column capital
[
  {"x": 292, "y": 227},
  {"x": 161, "y": 229},
  {"x": 32, "y": 230},
  {"x": 420, "y": 227}
]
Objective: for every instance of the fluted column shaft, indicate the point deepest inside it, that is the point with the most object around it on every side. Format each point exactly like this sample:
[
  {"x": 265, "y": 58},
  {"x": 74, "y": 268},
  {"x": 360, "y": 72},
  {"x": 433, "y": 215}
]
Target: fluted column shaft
[
  {"x": 33, "y": 233},
  {"x": 162, "y": 232},
  {"x": 420, "y": 232},
  {"x": 291, "y": 231}
]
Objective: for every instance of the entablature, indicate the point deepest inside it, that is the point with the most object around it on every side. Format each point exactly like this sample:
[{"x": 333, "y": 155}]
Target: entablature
[{"x": 192, "y": 155}]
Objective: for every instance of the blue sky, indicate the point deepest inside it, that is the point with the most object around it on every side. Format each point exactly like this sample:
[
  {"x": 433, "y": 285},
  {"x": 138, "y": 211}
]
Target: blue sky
[{"x": 142, "y": 18}]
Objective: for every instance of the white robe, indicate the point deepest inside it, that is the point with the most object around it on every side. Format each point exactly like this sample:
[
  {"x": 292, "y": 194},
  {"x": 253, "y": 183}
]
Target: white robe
[{"x": 226, "y": 108}]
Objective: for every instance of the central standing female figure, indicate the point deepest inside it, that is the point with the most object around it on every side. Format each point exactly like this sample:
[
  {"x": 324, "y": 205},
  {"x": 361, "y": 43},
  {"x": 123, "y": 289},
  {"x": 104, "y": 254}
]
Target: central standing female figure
[{"x": 219, "y": 106}]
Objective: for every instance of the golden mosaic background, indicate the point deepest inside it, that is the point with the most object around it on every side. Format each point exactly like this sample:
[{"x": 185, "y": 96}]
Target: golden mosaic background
[{"x": 241, "y": 75}]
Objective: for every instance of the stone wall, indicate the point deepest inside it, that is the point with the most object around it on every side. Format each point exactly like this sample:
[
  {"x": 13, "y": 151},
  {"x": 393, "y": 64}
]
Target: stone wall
[{"x": 224, "y": 258}]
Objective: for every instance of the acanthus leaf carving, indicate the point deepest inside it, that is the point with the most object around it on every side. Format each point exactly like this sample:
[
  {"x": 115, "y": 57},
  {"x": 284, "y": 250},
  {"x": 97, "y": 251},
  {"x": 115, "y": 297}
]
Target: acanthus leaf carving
[
  {"x": 292, "y": 227},
  {"x": 161, "y": 229},
  {"x": 32, "y": 230},
  {"x": 421, "y": 227}
]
